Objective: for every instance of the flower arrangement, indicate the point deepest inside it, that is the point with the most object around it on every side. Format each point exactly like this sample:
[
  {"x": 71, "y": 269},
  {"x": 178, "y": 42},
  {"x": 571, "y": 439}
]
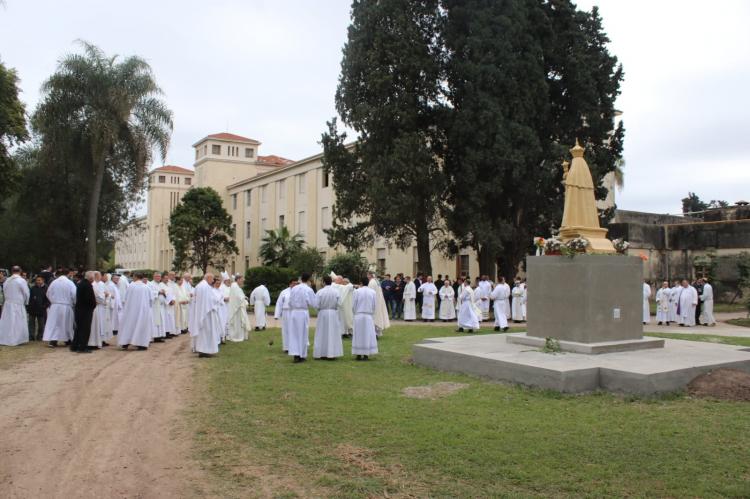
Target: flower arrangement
[
  {"x": 539, "y": 243},
  {"x": 553, "y": 246},
  {"x": 621, "y": 245},
  {"x": 577, "y": 245},
  {"x": 644, "y": 257}
]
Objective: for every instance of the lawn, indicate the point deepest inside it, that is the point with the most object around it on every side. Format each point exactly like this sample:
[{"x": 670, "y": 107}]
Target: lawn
[
  {"x": 710, "y": 338},
  {"x": 739, "y": 322},
  {"x": 268, "y": 427},
  {"x": 718, "y": 307}
]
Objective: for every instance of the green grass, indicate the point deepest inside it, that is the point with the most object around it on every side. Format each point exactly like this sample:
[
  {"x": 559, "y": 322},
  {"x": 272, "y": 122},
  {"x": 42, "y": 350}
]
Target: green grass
[
  {"x": 739, "y": 322},
  {"x": 709, "y": 338},
  {"x": 10, "y": 356},
  {"x": 344, "y": 429},
  {"x": 718, "y": 307}
]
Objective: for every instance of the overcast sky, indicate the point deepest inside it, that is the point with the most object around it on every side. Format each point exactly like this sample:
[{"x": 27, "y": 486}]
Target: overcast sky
[{"x": 267, "y": 69}]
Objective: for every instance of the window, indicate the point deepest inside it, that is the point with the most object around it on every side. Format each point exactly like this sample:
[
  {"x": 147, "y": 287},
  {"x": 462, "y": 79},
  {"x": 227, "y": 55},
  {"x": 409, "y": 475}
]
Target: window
[
  {"x": 247, "y": 262},
  {"x": 234, "y": 231},
  {"x": 249, "y": 153},
  {"x": 464, "y": 265},
  {"x": 247, "y": 197},
  {"x": 247, "y": 230},
  {"x": 325, "y": 179},
  {"x": 188, "y": 180},
  {"x": 301, "y": 223},
  {"x": 381, "y": 260},
  {"x": 234, "y": 201},
  {"x": 162, "y": 179},
  {"x": 301, "y": 183},
  {"x": 215, "y": 149},
  {"x": 197, "y": 153},
  {"x": 281, "y": 221},
  {"x": 281, "y": 186},
  {"x": 264, "y": 193}
]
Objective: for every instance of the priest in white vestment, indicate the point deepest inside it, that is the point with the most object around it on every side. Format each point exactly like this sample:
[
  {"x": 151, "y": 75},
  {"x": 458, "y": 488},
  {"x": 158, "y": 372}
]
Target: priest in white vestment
[
  {"x": 136, "y": 320},
  {"x": 158, "y": 308},
  {"x": 364, "y": 340},
  {"x": 301, "y": 298},
  {"x": 205, "y": 324},
  {"x": 182, "y": 302},
  {"x": 663, "y": 304},
  {"x": 674, "y": 300},
  {"x": 222, "y": 311},
  {"x": 468, "y": 312},
  {"x": 500, "y": 296},
  {"x": 646, "y": 304},
  {"x": 260, "y": 298},
  {"x": 447, "y": 302},
  {"x": 483, "y": 291},
  {"x": 346, "y": 316},
  {"x": 429, "y": 293},
  {"x": 238, "y": 323},
  {"x": 187, "y": 286},
  {"x": 707, "y": 298},
  {"x": 122, "y": 286},
  {"x": 382, "y": 322},
  {"x": 327, "y": 344},
  {"x": 14, "y": 325},
  {"x": 410, "y": 300},
  {"x": 60, "y": 316},
  {"x": 170, "y": 324},
  {"x": 688, "y": 300},
  {"x": 516, "y": 302},
  {"x": 282, "y": 312},
  {"x": 174, "y": 309},
  {"x": 115, "y": 302}
]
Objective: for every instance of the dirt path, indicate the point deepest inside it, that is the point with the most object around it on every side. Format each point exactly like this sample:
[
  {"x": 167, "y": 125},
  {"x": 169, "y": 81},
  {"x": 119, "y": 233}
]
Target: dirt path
[{"x": 102, "y": 425}]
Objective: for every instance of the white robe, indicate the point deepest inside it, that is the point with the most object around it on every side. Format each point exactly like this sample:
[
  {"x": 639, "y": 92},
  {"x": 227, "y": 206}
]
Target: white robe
[
  {"x": 646, "y": 305},
  {"x": 483, "y": 291},
  {"x": 327, "y": 330},
  {"x": 447, "y": 303},
  {"x": 205, "y": 325},
  {"x": 663, "y": 304},
  {"x": 189, "y": 290},
  {"x": 380, "y": 318},
  {"x": 122, "y": 287},
  {"x": 516, "y": 305},
  {"x": 301, "y": 298},
  {"x": 283, "y": 312},
  {"x": 410, "y": 301},
  {"x": 364, "y": 340},
  {"x": 157, "y": 310},
  {"x": 61, "y": 314},
  {"x": 346, "y": 317},
  {"x": 239, "y": 324},
  {"x": 260, "y": 298},
  {"x": 468, "y": 314},
  {"x": 115, "y": 305},
  {"x": 707, "y": 314},
  {"x": 500, "y": 296},
  {"x": 688, "y": 300},
  {"x": 101, "y": 329},
  {"x": 136, "y": 320},
  {"x": 14, "y": 325},
  {"x": 674, "y": 300},
  {"x": 524, "y": 300},
  {"x": 429, "y": 292},
  {"x": 182, "y": 303}
]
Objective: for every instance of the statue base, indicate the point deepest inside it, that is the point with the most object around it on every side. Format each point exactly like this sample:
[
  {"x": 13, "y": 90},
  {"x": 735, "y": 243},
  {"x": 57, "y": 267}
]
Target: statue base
[{"x": 597, "y": 238}]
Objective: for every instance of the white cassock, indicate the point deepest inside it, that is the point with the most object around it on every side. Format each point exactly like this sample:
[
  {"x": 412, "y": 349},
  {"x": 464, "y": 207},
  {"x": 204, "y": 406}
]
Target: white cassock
[
  {"x": 410, "y": 301},
  {"x": 239, "y": 324},
  {"x": 157, "y": 310},
  {"x": 708, "y": 304},
  {"x": 346, "y": 316},
  {"x": 447, "y": 303},
  {"x": 115, "y": 305},
  {"x": 283, "y": 312},
  {"x": 500, "y": 296},
  {"x": 646, "y": 306},
  {"x": 327, "y": 329},
  {"x": 663, "y": 304},
  {"x": 136, "y": 320},
  {"x": 175, "y": 309},
  {"x": 524, "y": 299},
  {"x": 122, "y": 287},
  {"x": 101, "y": 330},
  {"x": 674, "y": 301},
  {"x": 364, "y": 339},
  {"x": 516, "y": 305},
  {"x": 429, "y": 292},
  {"x": 483, "y": 291},
  {"x": 468, "y": 313},
  {"x": 14, "y": 325},
  {"x": 170, "y": 324},
  {"x": 688, "y": 300},
  {"x": 260, "y": 298},
  {"x": 189, "y": 290},
  {"x": 224, "y": 310},
  {"x": 301, "y": 298},
  {"x": 182, "y": 302},
  {"x": 205, "y": 324},
  {"x": 60, "y": 316},
  {"x": 381, "y": 320}
]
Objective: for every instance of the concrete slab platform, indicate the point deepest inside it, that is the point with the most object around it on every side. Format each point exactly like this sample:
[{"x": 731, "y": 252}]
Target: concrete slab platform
[
  {"x": 642, "y": 372},
  {"x": 589, "y": 348}
]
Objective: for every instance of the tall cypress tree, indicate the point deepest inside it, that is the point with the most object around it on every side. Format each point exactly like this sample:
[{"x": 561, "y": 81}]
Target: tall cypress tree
[{"x": 389, "y": 185}]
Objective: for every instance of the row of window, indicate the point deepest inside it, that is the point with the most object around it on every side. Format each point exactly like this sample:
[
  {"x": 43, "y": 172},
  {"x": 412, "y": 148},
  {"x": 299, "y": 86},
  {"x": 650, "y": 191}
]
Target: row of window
[
  {"x": 175, "y": 180},
  {"x": 325, "y": 222},
  {"x": 280, "y": 188},
  {"x": 233, "y": 151}
]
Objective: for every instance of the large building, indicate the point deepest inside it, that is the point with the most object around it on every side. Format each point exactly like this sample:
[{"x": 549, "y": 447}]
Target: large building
[{"x": 261, "y": 193}]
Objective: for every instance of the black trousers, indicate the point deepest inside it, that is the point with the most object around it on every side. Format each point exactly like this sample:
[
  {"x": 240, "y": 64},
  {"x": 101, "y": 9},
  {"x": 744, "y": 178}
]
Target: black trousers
[{"x": 83, "y": 330}]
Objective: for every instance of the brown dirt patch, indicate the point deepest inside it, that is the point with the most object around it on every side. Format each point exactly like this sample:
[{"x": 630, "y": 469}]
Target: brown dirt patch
[
  {"x": 723, "y": 384},
  {"x": 434, "y": 391}
]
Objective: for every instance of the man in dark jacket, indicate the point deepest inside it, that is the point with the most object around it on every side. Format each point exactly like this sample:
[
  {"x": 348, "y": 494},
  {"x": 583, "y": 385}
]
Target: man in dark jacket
[
  {"x": 84, "y": 312},
  {"x": 37, "y": 309}
]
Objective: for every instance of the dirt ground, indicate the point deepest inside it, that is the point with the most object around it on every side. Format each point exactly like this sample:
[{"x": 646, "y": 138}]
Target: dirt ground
[
  {"x": 100, "y": 425},
  {"x": 724, "y": 384}
]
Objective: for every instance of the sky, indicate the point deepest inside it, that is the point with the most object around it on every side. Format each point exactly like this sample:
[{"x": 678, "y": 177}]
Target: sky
[{"x": 267, "y": 69}]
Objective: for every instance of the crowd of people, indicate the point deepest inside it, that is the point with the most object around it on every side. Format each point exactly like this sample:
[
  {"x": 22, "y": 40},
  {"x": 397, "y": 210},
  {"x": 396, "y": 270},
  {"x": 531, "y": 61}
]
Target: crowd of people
[{"x": 683, "y": 303}]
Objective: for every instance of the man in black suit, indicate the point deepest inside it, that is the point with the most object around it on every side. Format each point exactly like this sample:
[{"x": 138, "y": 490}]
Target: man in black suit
[{"x": 84, "y": 312}]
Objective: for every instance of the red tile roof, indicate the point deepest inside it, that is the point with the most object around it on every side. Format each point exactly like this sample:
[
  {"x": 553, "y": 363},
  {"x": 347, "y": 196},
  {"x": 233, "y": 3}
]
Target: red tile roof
[
  {"x": 231, "y": 136},
  {"x": 173, "y": 169},
  {"x": 273, "y": 160}
]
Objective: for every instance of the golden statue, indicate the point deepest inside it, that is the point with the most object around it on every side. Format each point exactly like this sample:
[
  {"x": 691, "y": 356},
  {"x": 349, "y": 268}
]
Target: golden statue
[{"x": 580, "y": 217}]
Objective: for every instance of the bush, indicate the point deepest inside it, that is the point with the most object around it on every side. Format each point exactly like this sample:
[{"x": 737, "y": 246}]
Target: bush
[
  {"x": 275, "y": 279},
  {"x": 307, "y": 260},
  {"x": 351, "y": 265}
]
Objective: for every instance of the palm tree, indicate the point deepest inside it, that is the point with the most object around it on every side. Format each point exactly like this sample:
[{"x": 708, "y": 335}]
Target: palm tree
[
  {"x": 113, "y": 107},
  {"x": 279, "y": 246}
]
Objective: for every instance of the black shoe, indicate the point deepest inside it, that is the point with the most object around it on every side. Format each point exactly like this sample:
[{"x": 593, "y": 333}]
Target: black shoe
[
  {"x": 114, "y": 333},
  {"x": 105, "y": 344},
  {"x": 505, "y": 329},
  {"x": 257, "y": 328},
  {"x": 359, "y": 357},
  {"x": 52, "y": 344},
  {"x": 460, "y": 330},
  {"x": 202, "y": 355},
  {"x": 124, "y": 347},
  {"x": 286, "y": 351},
  {"x": 158, "y": 340},
  {"x": 142, "y": 348},
  {"x": 84, "y": 351},
  {"x": 497, "y": 328},
  {"x": 469, "y": 330},
  {"x": 297, "y": 359},
  {"x": 365, "y": 357},
  {"x": 68, "y": 343}
]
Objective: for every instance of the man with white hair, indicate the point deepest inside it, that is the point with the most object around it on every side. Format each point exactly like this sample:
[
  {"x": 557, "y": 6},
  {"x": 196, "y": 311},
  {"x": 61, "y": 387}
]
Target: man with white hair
[
  {"x": 187, "y": 286},
  {"x": 301, "y": 298},
  {"x": 137, "y": 321},
  {"x": 238, "y": 323},
  {"x": 115, "y": 302},
  {"x": 327, "y": 344},
  {"x": 500, "y": 296},
  {"x": 60, "y": 316},
  {"x": 100, "y": 328},
  {"x": 170, "y": 300},
  {"x": 381, "y": 320},
  {"x": 663, "y": 304},
  {"x": 260, "y": 298},
  {"x": 205, "y": 325},
  {"x": 282, "y": 312},
  {"x": 14, "y": 326},
  {"x": 182, "y": 302},
  {"x": 707, "y": 298},
  {"x": 122, "y": 286},
  {"x": 346, "y": 315},
  {"x": 158, "y": 309}
]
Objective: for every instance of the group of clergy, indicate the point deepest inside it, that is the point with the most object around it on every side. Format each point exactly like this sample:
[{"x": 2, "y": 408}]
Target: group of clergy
[{"x": 683, "y": 303}]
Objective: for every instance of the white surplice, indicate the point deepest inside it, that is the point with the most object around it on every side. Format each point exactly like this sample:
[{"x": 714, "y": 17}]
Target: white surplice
[
  {"x": 500, "y": 296},
  {"x": 100, "y": 325},
  {"x": 301, "y": 298},
  {"x": 429, "y": 292},
  {"x": 468, "y": 313},
  {"x": 327, "y": 341},
  {"x": 674, "y": 301},
  {"x": 282, "y": 311},
  {"x": 380, "y": 318},
  {"x": 61, "y": 314},
  {"x": 14, "y": 325},
  {"x": 346, "y": 316},
  {"x": 410, "y": 301},
  {"x": 663, "y": 304},
  {"x": 517, "y": 303},
  {"x": 136, "y": 320},
  {"x": 205, "y": 324},
  {"x": 364, "y": 339},
  {"x": 707, "y": 314},
  {"x": 447, "y": 303},
  {"x": 238, "y": 324},
  {"x": 646, "y": 305},
  {"x": 260, "y": 298},
  {"x": 688, "y": 300}
]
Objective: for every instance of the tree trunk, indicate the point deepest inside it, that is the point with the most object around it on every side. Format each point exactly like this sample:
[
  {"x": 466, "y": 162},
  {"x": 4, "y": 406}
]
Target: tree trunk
[
  {"x": 486, "y": 260},
  {"x": 93, "y": 215},
  {"x": 423, "y": 248}
]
